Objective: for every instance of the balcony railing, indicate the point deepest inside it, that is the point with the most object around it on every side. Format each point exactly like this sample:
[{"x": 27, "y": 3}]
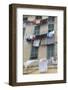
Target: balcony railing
[
  {"x": 48, "y": 35},
  {"x": 35, "y": 37},
  {"x": 39, "y": 21}
]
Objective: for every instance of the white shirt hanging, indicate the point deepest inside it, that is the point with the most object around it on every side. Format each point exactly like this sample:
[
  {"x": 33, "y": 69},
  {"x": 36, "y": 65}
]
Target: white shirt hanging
[
  {"x": 36, "y": 43},
  {"x": 50, "y": 34},
  {"x": 30, "y": 37}
]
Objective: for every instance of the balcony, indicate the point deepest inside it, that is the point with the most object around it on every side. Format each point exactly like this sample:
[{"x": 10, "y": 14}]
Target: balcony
[
  {"x": 36, "y": 21},
  {"x": 35, "y": 37},
  {"x": 49, "y": 36}
]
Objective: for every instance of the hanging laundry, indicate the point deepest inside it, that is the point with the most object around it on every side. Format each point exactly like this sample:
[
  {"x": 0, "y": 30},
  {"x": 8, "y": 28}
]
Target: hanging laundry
[
  {"x": 30, "y": 37},
  {"x": 50, "y": 34},
  {"x": 43, "y": 65},
  {"x": 37, "y": 21},
  {"x": 36, "y": 43}
]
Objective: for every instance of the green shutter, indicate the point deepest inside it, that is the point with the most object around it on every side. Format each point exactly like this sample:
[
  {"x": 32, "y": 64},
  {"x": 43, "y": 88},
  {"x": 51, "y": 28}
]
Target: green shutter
[
  {"x": 37, "y": 30},
  {"x": 50, "y": 27},
  {"x": 34, "y": 53},
  {"x": 50, "y": 51}
]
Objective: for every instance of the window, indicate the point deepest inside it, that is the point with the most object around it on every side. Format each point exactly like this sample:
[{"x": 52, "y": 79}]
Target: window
[
  {"x": 50, "y": 51},
  {"x": 38, "y": 17},
  {"x": 50, "y": 18},
  {"x": 37, "y": 30},
  {"x": 23, "y": 31},
  {"x": 50, "y": 27},
  {"x": 25, "y": 19},
  {"x": 34, "y": 53}
]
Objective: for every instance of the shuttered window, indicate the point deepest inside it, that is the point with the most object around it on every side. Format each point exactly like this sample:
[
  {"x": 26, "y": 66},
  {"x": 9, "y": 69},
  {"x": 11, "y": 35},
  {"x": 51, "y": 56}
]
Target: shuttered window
[
  {"x": 34, "y": 53},
  {"x": 38, "y": 17},
  {"x": 50, "y": 51},
  {"x": 37, "y": 30},
  {"x": 50, "y": 27}
]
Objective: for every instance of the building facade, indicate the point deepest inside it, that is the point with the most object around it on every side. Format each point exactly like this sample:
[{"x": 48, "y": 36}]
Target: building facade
[{"x": 39, "y": 37}]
